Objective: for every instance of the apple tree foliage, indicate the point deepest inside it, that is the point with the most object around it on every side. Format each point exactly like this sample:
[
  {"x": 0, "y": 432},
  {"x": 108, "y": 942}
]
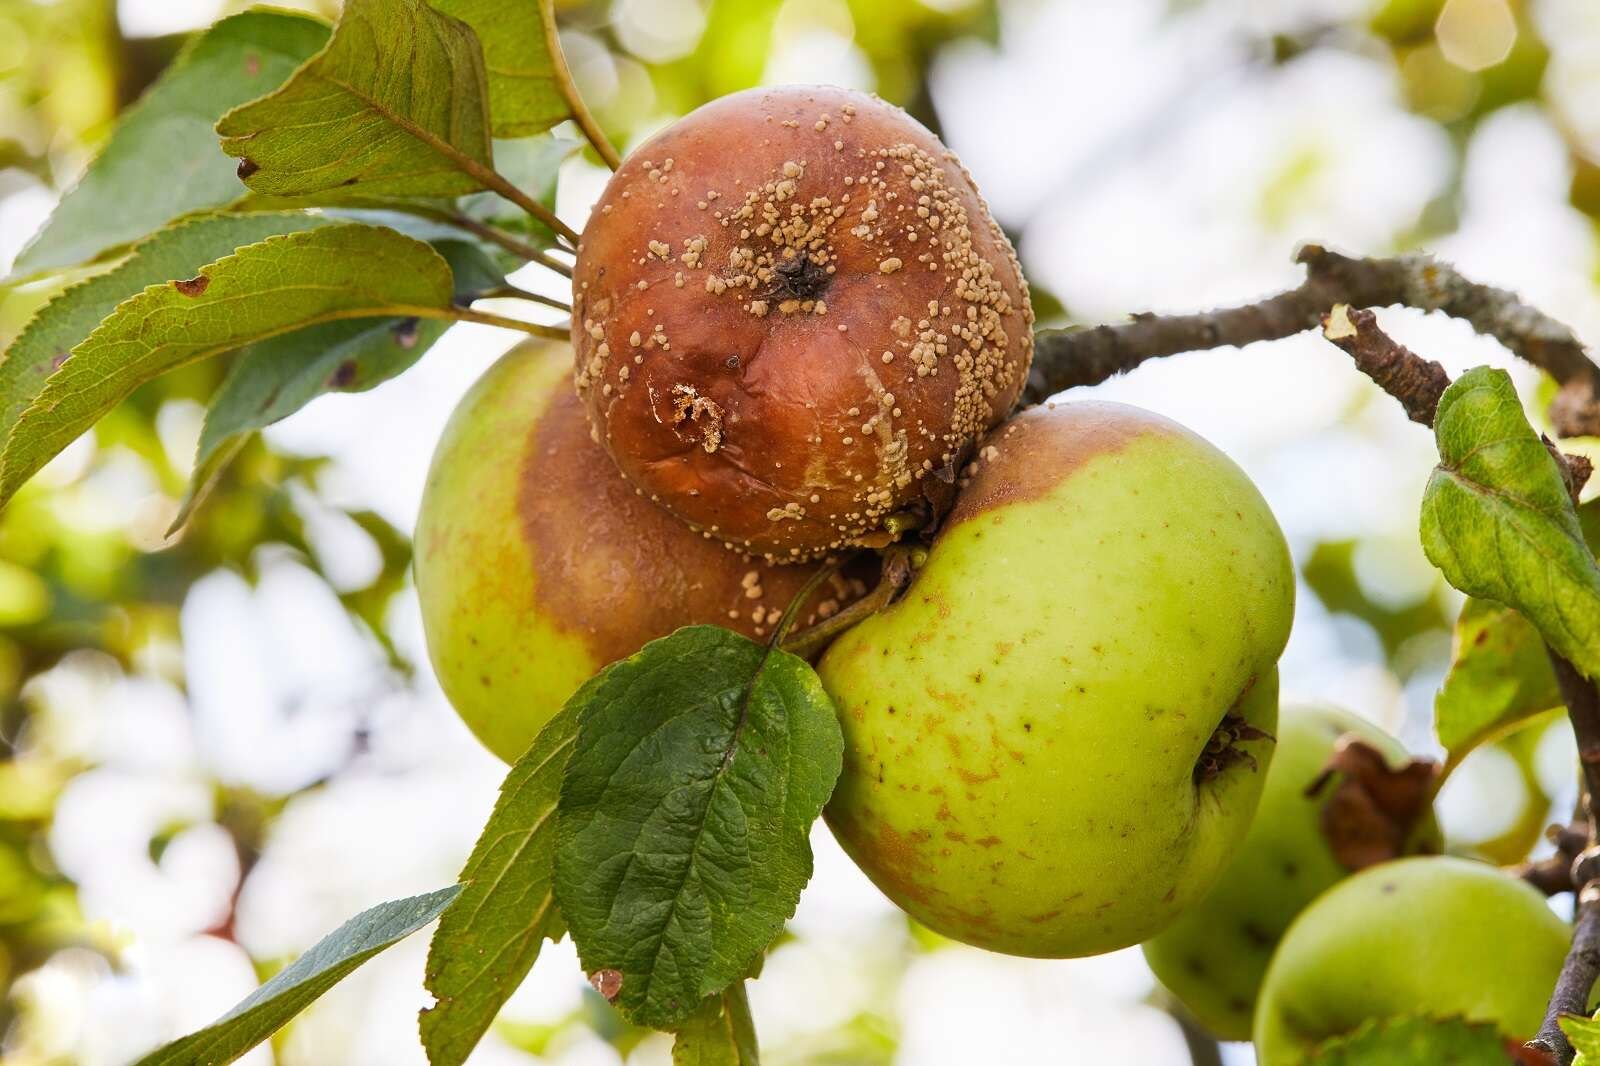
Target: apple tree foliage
[{"x": 325, "y": 202}]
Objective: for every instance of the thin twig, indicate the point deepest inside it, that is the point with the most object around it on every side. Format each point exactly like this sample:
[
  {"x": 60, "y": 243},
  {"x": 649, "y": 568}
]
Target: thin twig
[
  {"x": 516, "y": 247},
  {"x": 791, "y": 613},
  {"x": 517, "y": 293},
  {"x": 1416, "y": 382},
  {"x": 1202, "y": 1046},
  {"x": 1065, "y": 358},
  {"x": 494, "y": 181},
  {"x": 569, "y": 91},
  {"x": 1551, "y": 875},
  {"x": 1577, "y": 978},
  {"x": 465, "y": 314}
]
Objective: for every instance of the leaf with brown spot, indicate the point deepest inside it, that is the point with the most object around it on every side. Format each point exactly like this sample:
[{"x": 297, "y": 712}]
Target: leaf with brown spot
[
  {"x": 276, "y": 286},
  {"x": 1372, "y": 811},
  {"x": 396, "y": 104},
  {"x": 273, "y": 379},
  {"x": 178, "y": 251},
  {"x": 195, "y": 286}
]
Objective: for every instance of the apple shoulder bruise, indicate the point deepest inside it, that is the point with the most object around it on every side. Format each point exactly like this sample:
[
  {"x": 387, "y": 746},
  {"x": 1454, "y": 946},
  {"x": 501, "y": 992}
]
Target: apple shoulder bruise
[
  {"x": 537, "y": 564},
  {"x": 788, "y": 308}
]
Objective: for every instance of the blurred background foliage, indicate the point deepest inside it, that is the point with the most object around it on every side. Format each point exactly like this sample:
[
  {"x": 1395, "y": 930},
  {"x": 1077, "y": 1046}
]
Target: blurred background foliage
[{"x": 106, "y": 748}]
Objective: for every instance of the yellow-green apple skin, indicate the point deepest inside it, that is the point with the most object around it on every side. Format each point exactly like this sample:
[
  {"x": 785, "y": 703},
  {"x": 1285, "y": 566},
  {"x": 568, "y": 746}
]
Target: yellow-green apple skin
[
  {"x": 537, "y": 564},
  {"x": 1434, "y": 936},
  {"x": 1214, "y": 956},
  {"x": 1023, "y": 728}
]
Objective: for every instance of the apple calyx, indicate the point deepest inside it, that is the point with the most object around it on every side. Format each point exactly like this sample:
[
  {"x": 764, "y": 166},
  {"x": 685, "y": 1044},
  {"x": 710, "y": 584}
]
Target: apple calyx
[
  {"x": 799, "y": 277},
  {"x": 1371, "y": 814},
  {"x": 1222, "y": 751}
]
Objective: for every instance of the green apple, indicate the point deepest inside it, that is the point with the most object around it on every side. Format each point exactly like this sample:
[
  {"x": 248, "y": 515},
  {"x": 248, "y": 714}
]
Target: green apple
[
  {"x": 1430, "y": 936},
  {"x": 1214, "y": 956},
  {"x": 1054, "y": 741},
  {"x": 537, "y": 564}
]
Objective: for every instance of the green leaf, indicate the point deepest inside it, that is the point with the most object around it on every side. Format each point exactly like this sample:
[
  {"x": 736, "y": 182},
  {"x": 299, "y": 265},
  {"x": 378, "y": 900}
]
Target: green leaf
[
  {"x": 1413, "y": 1040},
  {"x": 700, "y": 764},
  {"x": 162, "y": 160},
  {"x": 1497, "y": 520},
  {"x": 276, "y": 285},
  {"x": 720, "y": 1033},
  {"x": 487, "y": 942},
  {"x": 1584, "y": 1033},
  {"x": 524, "y": 96},
  {"x": 395, "y": 105},
  {"x": 294, "y": 988},
  {"x": 473, "y": 270},
  {"x": 1500, "y": 673},
  {"x": 176, "y": 252},
  {"x": 272, "y": 380}
]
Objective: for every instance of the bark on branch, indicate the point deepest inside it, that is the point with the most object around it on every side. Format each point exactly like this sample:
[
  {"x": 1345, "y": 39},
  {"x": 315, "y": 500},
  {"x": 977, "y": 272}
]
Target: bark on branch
[
  {"x": 1582, "y": 698},
  {"x": 1577, "y": 978},
  {"x": 1064, "y": 358},
  {"x": 1416, "y": 382}
]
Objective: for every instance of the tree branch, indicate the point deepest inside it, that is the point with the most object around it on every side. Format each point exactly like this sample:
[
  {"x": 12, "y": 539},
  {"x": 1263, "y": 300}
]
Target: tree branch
[
  {"x": 1064, "y": 358},
  {"x": 1582, "y": 698},
  {"x": 1416, "y": 382},
  {"x": 1552, "y": 875},
  {"x": 569, "y": 92},
  {"x": 1577, "y": 978}
]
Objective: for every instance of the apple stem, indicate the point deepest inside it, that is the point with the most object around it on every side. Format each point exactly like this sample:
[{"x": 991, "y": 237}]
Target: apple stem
[
  {"x": 791, "y": 613},
  {"x": 1065, "y": 358},
  {"x": 897, "y": 569}
]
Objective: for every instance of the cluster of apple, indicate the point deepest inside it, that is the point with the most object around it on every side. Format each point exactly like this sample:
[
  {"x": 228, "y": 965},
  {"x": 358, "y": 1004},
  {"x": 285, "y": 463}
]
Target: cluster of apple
[{"x": 794, "y": 320}]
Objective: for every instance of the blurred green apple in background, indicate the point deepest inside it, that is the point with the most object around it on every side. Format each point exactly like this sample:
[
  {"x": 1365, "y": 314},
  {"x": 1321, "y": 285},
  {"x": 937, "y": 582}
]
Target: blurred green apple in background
[
  {"x": 1214, "y": 956},
  {"x": 1431, "y": 936}
]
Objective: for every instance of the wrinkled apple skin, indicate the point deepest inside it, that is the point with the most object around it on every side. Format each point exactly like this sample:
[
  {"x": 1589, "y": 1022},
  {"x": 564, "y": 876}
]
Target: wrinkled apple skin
[
  {"x": 1434, "y": 936},
  {"x": 1214, "y": 956},
  {"x": 537, "y": 564},
  {"x": 1022, "y": 728},
  {"x": 789, "y": 307}
]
